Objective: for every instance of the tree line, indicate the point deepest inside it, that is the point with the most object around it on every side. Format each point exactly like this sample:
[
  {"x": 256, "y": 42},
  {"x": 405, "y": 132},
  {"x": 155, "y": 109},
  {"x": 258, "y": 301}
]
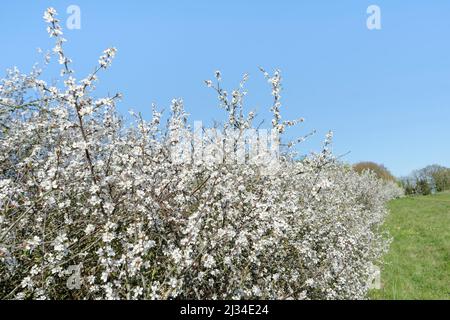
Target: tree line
[
  {"x": 428, "y": 180},
  {"x": 425, "y": 181}
]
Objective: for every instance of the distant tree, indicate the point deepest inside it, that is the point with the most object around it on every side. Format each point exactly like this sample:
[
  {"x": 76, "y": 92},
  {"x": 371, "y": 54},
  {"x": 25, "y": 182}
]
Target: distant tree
[
  {"x": 380, "y": 170},
  {"x": 437, "y": 177},
  {"x": 423, "y": 187},
  {"x": 441, "y": 179},
  {"x": 410, "y": 188}
]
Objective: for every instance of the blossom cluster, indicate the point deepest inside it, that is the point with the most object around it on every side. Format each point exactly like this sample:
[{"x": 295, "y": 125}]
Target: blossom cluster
[{"x": 80, "y": 187}]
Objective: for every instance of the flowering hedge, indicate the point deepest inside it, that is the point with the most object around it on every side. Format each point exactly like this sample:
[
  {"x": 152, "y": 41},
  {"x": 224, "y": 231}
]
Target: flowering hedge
[{"x": 78, "y": 187}]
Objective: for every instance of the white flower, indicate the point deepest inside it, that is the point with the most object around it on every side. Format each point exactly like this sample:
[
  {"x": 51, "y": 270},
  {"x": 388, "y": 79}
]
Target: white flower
[
  {"x": 176, "y": 255},
  {"x": 33, "y": 243},
  {"x": 94, "y": 200},
  {"x": 108, "y": 237},
  {"x": 137, "y": 292},
  {"x": 173, "y": 283},
  {"x": 106, "y": 59},
  {"x": 87, "y": 110},
  {"x": 27, "y": 282},
  {"x": 94, "y": 189},
  {"x": 309, "y": 282},
  {"x": 49, "y": 15},
  {"x": 35, "y": 270},
  {"x": 104, "y": 276},
  {"x": 59, "y": 244},
  {"x": 89, "y": 229},
  {"x": 256, "y": 291},
  {"x": 209, "y": 262},
  {"x": 227, "y": 260}
]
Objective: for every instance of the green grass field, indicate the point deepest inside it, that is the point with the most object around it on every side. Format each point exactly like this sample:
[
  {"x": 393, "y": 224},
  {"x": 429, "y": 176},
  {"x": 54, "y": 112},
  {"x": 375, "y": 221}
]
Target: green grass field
[{"x": 418, "y": 264}]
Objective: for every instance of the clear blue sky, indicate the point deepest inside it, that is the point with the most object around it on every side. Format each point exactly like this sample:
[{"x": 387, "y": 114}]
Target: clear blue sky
[{"x": 385, "y": 94}]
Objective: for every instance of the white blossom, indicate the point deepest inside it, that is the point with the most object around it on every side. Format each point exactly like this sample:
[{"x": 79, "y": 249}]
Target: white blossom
[{"x": 80, "y": 186}]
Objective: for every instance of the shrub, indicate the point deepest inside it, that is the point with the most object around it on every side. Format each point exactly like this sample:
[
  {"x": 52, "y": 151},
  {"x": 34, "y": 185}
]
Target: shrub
[
  {"x": 423, "y": 187},
  {"x": 79, "y": 187},
  {"x": 409, "y": 188},
  {"x": 392, "y": 188},
  {"x": 380, "y": 170}
]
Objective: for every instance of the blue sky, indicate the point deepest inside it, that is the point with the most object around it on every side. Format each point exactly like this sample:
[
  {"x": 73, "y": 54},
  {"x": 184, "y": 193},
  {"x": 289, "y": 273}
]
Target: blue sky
[{"x": 385, "y": 93}]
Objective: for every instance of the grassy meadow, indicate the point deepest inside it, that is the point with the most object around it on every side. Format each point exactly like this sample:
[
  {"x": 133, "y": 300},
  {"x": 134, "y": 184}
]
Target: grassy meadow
[{"x": 418, "y": 264}]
